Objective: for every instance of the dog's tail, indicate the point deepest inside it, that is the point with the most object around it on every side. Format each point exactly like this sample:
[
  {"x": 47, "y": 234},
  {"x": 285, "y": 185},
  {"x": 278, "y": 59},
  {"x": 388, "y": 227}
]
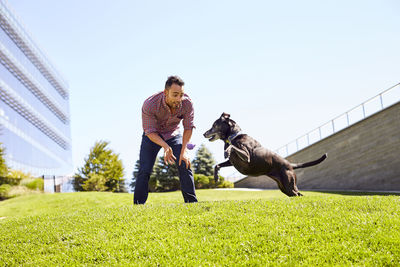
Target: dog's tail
[{"x": 309, "y": 164}]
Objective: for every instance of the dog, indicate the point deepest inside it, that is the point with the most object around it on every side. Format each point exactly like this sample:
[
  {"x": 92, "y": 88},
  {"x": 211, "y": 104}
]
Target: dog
[{"x": 250, "y": 158}]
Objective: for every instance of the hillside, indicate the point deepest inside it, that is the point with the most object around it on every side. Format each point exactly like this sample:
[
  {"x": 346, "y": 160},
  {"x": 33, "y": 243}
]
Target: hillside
[{"x": 226, "y": 228}]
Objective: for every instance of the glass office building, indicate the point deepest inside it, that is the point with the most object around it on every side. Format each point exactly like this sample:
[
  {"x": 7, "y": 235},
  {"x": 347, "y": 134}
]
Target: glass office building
[{"x": 34, "y": 103}]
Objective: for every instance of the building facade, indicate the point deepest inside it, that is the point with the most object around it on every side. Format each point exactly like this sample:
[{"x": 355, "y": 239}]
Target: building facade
[{"x": 34, "y": 103}]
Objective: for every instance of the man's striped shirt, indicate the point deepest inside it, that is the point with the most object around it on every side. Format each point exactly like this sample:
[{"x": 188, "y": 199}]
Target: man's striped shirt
[{"x": 157, "y": 117}]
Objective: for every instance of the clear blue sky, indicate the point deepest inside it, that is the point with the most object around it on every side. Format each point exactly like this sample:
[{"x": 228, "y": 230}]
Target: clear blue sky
[{"x": 280, "y": 68}]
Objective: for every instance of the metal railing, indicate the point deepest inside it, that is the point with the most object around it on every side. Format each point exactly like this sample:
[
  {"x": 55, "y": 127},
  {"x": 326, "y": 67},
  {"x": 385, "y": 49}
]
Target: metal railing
[{"x": 373, "y": 105}]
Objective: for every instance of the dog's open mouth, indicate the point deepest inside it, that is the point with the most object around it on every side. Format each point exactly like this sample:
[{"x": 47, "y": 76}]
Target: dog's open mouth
[{"x": 212, "y": 137}]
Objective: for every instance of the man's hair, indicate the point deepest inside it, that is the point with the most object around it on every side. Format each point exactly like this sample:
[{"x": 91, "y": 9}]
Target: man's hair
[{"x": 174, "y": 79}]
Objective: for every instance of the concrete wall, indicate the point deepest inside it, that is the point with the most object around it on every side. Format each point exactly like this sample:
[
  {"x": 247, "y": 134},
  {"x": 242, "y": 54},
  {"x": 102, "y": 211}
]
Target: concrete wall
[{"x": 365, "y": 156}]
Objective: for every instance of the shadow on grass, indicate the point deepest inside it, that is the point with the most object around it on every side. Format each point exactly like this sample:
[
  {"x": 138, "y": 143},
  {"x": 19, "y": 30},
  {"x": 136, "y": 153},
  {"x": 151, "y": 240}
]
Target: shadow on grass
[{"x": 357, "y": 193}]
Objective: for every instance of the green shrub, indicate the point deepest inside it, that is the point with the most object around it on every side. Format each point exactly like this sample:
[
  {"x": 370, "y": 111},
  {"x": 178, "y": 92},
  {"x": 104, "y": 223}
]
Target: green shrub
[
  {"x": 202, "y": 181},
  {"x": 10, "y": 191},
  {"x": 33, "y": 183},
  {"x": 15, "y": 177},
  {"x": 3, "y": 164},
  {"x": 205, "y": 182},
  {"x": 20, "y": 190},
  {"x": 96, "y": 182},
  {"x": 10, "y": 180},
  {"x": 225, "y": 184},
  {"x": 163, "y": 184},
  {"x": 4, "y": 191},
  {"x": 17, "y": 174}
]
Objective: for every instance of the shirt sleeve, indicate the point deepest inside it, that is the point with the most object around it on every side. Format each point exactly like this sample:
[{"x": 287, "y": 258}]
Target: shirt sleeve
[
  {"x": 188, "y": 116},
  {"x": 149, "y": 121}
]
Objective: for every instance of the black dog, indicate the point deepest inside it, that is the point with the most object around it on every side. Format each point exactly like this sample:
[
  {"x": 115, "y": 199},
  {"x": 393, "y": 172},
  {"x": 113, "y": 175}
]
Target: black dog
[{"x": 250, "y": 158}]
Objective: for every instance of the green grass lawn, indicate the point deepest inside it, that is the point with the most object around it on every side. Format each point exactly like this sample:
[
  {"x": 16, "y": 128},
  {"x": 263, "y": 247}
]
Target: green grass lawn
[{"x": 226, "y": 228}]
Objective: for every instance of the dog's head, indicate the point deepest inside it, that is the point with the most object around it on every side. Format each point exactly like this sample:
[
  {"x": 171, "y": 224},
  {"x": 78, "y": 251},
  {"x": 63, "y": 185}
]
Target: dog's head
[{"x": 221, "y": 128}]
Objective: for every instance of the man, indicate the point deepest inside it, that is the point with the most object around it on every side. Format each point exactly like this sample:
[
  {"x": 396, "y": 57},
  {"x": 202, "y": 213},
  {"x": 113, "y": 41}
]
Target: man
[{"x": 161, "y": 115}]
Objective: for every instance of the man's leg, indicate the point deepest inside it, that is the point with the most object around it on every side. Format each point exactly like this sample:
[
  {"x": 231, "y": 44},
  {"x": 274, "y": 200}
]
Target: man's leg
[
  {"x": 185, "y": 175},
  {"x": 148, "y": 154}
]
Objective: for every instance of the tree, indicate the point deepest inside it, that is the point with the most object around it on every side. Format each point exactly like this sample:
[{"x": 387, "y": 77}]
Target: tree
[
  {"x": 164, "y": 177},
  {"x": 135, "y": 174},
  {"x": 102, "y": 171},
  {"x": 203, "y": 162},
  {"x": 3, "y": 165}
]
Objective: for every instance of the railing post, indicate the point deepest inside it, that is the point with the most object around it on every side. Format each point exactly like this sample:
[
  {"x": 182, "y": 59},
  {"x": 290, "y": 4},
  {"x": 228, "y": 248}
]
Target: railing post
[
  {"x": 333, "y": 126},
  {"x": 380, "y": 96},
  {"x": 363, "y": 110}
]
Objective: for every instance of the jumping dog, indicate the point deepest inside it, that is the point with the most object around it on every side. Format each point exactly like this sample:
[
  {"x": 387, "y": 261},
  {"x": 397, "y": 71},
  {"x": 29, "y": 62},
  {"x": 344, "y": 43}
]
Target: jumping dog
[{"x": 250, "y": 158}]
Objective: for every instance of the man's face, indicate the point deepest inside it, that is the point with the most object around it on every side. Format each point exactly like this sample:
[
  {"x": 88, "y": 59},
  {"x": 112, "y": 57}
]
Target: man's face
[{"x": 174, "y": 95}]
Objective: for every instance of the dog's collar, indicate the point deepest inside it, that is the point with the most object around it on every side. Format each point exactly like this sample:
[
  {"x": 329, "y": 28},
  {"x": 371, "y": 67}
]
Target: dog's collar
[{"x": 232, "y": 136}]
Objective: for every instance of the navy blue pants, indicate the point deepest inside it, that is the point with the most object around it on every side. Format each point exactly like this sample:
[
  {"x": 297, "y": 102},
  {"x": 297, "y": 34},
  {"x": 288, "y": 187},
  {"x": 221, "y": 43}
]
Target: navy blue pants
[{"x": 148, "y": 154}]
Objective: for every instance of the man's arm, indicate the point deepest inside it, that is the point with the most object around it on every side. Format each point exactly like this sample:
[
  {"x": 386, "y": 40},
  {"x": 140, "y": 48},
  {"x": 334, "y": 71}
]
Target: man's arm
[
  {"x": 187, "y": 134},
  {"x": 169, "y": 157},
  {"x": 149, "y": 123}
]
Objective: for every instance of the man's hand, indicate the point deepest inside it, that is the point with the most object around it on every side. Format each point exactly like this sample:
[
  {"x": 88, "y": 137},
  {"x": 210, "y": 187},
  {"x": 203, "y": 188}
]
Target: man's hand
[
  {"x": 183, "y": 157},
  {"x": 169, "y": 157}
]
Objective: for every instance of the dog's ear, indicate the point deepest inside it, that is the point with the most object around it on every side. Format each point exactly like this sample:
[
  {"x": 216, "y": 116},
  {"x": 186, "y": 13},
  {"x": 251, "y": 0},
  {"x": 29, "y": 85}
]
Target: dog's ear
[{"x": 225, "y": 116}]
